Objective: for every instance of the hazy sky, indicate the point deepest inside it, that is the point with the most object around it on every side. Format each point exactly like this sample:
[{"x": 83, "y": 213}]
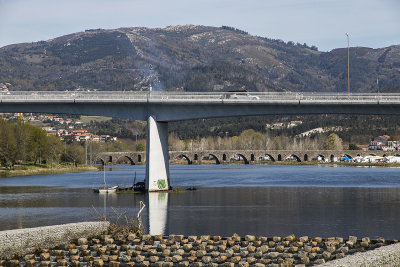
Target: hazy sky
[{"x": 371, "y": 23}]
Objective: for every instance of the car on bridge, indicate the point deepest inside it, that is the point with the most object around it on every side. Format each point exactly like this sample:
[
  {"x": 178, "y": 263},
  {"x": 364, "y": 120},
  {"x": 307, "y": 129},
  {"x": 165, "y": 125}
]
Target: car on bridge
[{"x": 239, "y": 94}]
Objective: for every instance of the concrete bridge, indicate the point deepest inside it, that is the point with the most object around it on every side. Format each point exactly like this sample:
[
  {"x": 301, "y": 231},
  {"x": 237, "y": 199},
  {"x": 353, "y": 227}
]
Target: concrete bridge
[
  {"x": 248, "y": 156},
  {"x": 159, "y": 108}
]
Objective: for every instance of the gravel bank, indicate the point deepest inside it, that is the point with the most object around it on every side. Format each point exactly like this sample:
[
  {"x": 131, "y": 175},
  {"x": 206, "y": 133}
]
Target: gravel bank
[
  {"x": 28, "y": 240},
  {"x": 121, "y": 248},
  {"x": 383, "y": 256}
]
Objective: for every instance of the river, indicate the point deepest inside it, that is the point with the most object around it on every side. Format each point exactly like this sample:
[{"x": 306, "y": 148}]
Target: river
[{"x": 269, "y": 200}]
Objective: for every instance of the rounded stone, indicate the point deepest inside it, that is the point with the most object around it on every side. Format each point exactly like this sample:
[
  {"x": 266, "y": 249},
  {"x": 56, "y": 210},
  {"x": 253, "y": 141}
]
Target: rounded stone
[
  {"x": 229, "y": 264},
  {"x": 74, "y": 263},
  {"x": 271, "y": 244},
  {"x": 161, "y": 247},
  {"x": 200, "y": 253},
  {"x": 74, "y": 258},
  {"x": 319, "y": 261},
  {"x": 217, "y": 238},
  {"x": 192, "y": 258},
  {"x": 192, "y": 238},
  {"x": 293, "y": 249},
  {"x": 197, "y": 264},
  {"x": 176, "y": 258},
  {"x": 209, "y": 248},
  {"x": 206, "y": 259},
  {"x": 130, "y": 264},
  {"x": 339, "y": 255},
  {"x": 98, "y": 263},
  {"x": 113, "y": 257},
  {"x": 222, "y": 248},
  {"x": 140, "y": 258},
  {"x": 183, "y": 264},
  {"x": 114, "y": 264},
  {"x": 30, "y": 263},
  {"x": 251, "y": 249},
  {"x": 326, "y": 255},
  {"x": 244, "y": 264},
  {"x": 187, "y": 247},
  {"x": 274, "y": 255},
  {"x": 244, "y": 253},
  {"x": 315, "y": 250},
  {"x": 62, "y": 262},
  {"x": 277, "y": 239},
  {"x": 236, "y": 259},
  {"x": 264, "y": 249},
  {"x": 258, "y": 254},
  {"x": 168, "y": 264},
  {"x": 167, "y": 252},
  {"x": 153, "y": 259},
  {"x": 251, "y": 260},
  {"x": 215, "y": 254},
  {"x": 46, "y": 263},
  {"x": 280, "y": 249},
  {"x": 221, "y": 259},
  {"x": 250, "y": 238}
]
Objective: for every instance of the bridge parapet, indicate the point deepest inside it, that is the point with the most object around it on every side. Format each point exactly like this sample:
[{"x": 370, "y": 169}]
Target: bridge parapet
[{"x": 248, "y": 156}]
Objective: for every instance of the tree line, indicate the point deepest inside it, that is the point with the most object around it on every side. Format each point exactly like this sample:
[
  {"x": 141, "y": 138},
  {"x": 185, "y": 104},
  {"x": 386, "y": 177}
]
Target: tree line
[
  {"x": 22, "y": 143},
  {"x": 250, "y": 139}
]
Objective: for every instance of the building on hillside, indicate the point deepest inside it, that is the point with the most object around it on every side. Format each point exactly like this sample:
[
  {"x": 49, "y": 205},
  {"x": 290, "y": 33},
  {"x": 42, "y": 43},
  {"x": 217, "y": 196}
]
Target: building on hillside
[{"x": 48, "y": 129}]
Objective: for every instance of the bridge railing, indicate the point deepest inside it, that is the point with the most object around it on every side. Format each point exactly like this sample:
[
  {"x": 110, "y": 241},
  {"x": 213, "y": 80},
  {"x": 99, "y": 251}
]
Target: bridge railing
[{"x": 195, "y": 96}]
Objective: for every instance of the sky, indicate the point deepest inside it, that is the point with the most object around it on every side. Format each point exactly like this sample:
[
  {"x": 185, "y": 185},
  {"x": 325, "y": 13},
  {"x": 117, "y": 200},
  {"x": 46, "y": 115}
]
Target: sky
[{"x": 323, "y": 23}]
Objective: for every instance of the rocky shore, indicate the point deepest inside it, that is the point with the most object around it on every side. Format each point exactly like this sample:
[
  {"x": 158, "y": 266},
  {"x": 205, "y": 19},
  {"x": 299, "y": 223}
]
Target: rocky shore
[{"x": 124, "y": 248}]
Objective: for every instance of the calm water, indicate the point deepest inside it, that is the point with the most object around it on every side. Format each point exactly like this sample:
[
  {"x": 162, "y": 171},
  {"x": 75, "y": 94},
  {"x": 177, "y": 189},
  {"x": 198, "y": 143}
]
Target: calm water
[{"x": 257, "y": 199}]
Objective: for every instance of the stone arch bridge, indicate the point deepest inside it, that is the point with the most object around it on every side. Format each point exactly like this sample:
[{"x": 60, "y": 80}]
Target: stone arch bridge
[{"x": 248, "y": 156}]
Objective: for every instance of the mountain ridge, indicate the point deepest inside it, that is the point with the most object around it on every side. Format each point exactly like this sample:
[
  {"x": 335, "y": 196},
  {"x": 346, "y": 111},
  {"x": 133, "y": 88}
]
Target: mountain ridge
[{"x": 193, "y": 58}]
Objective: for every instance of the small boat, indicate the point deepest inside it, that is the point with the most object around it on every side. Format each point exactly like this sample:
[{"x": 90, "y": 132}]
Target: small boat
[{"x": 105, "y": 189}]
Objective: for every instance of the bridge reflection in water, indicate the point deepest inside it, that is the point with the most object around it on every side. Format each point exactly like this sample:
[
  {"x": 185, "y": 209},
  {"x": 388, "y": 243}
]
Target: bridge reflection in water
[{"x": 157, "y": 211}]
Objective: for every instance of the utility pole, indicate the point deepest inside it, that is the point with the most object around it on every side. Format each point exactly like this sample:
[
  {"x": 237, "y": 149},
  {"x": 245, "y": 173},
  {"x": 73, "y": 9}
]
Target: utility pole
[
  {"x": 348, "y": 64},
  {"x": 86, "y": 152}
]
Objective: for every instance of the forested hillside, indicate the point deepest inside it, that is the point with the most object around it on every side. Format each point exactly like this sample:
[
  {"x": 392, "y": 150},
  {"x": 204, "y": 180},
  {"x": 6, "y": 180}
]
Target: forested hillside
[{"x": 192, "y": 58}]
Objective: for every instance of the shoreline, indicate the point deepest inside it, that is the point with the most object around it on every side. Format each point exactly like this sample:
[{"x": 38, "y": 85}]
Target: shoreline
[
  {"x": 109, "y": 245},
  {"x": 60, "y": 170},
  {"x": 45, "y": 171}
]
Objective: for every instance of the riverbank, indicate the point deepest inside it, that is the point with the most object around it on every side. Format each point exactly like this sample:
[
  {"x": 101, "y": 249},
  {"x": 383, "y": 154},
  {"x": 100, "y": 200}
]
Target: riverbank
[
  {"x": 121, "y": 247},
  {"x": 296, "y": 163},
  {"x": 38, "y": 170}
]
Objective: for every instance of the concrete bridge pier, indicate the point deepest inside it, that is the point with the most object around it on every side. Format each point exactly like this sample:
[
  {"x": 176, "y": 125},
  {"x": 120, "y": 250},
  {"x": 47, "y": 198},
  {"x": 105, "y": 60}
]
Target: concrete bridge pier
[{"x": 157, "y": 162}]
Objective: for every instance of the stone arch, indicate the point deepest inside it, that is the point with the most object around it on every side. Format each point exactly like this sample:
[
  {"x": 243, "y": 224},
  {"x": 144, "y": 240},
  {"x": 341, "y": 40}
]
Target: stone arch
[
  {"x": 279, "y": 157},
  {"x": 118, "y": 160},
  {"x": 262, "y": 157},
  {"x": 295, "y": 157},
  {"x": 216, "y": 159},
  {"x": 305, "y": 158},
  {"x": 347, "y": 155},
  {"x": 332, "y": 158},
  {"x": 244, "y": 158},
  {"x": 185, "y": 157}
]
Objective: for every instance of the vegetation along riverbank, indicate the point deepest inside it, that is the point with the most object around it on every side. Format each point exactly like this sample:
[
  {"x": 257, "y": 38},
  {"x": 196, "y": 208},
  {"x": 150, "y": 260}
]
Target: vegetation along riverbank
[
  {"x": 123, "y": 246},
  {"x": 26, "y": 170}
]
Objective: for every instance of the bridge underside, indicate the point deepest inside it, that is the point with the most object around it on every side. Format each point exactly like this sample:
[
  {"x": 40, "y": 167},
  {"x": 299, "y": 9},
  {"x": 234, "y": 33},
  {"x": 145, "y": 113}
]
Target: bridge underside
[
  {"x": 184, "y": 111},
  {"x": 158, "y": 112}
]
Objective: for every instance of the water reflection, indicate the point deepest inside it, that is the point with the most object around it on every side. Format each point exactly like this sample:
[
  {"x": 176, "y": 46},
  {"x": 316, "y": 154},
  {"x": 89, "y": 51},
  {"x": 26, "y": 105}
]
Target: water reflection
[
  {"x": 260, "y": 200},
  {"x": 157, "y": 204}
]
